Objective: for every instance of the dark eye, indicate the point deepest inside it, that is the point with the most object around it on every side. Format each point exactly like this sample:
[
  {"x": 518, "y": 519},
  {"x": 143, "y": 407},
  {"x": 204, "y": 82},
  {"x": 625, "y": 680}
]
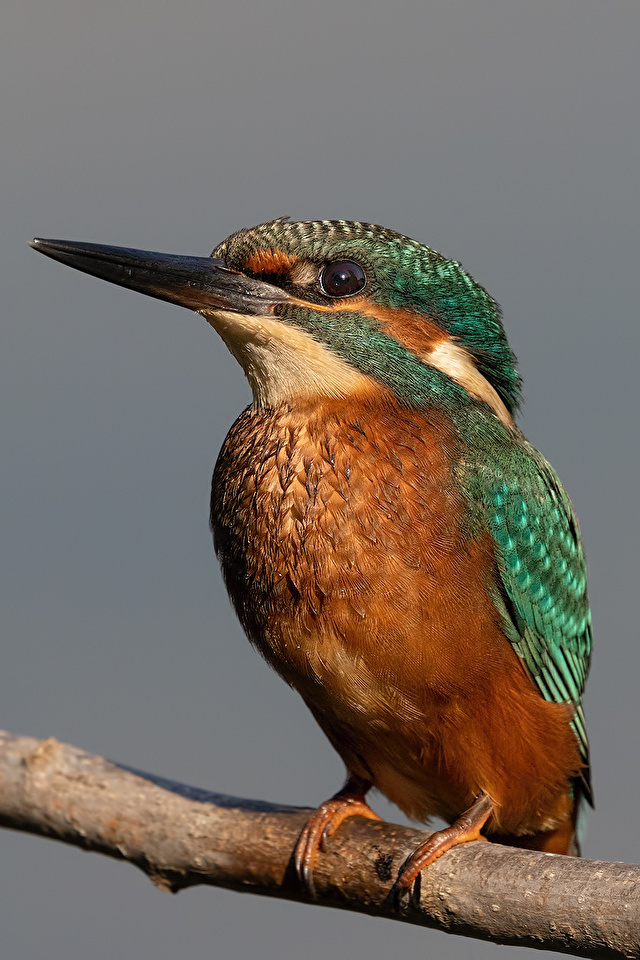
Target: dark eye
[{"x": 342, "y": 278}]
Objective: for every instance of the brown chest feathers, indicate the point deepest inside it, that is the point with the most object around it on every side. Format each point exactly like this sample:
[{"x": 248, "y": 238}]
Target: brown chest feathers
[{"x": 342, "y": 538}]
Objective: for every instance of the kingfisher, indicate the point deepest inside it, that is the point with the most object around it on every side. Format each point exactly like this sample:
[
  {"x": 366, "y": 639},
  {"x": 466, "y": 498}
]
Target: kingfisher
[{"x": 392, "y": 544}]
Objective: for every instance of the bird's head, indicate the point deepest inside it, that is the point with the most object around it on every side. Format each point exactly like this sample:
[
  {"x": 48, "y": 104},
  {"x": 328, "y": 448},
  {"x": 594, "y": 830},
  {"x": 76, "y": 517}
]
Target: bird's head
[{"x": 331, "y": 308}]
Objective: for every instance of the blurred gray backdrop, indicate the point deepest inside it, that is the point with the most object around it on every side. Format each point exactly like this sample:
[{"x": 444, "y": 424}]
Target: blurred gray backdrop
[{"x": 505, "y": 135}]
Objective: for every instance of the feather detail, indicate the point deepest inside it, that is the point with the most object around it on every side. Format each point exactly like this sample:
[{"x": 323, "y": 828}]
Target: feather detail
[{"x": 350, "y": 556}]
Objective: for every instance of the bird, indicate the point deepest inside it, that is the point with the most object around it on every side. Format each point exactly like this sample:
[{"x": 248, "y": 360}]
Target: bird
[{"x": 392, "y": 544}]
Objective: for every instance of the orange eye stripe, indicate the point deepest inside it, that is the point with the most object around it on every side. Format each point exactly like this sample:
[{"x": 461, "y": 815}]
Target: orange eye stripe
[
  {"x": 416, "y": 331},
  {"x": 270, "y": 262}
]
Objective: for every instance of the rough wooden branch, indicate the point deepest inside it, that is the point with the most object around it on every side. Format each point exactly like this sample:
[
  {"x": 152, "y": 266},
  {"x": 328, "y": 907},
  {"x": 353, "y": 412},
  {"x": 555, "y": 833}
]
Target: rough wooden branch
[{"x": 181, "y": 836}]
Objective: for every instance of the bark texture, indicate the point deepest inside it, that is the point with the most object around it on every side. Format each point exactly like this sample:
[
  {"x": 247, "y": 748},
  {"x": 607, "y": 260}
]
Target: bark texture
[{"x": 181, "y": 836}]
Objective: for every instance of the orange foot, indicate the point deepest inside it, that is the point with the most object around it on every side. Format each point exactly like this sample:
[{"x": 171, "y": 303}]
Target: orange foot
[
  {"x": 348, "y": 802},
  {"x": 467, "y": 827}
]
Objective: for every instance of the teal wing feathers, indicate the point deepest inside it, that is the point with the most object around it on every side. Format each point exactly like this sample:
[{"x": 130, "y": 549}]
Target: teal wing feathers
[{"x": 544, "y": 590}]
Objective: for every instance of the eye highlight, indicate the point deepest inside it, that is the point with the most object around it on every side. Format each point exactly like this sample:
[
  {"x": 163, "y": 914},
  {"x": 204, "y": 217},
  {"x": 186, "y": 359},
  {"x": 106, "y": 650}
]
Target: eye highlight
[{"x": 342, "y": 278}]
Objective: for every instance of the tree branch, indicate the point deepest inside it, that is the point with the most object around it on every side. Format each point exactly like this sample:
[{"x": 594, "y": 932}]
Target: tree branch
[{"x": 181, "y": 836}]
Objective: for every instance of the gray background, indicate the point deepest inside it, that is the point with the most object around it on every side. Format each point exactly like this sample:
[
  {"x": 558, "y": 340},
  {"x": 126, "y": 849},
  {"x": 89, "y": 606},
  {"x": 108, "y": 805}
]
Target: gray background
[{"x": 504, "y": 134}]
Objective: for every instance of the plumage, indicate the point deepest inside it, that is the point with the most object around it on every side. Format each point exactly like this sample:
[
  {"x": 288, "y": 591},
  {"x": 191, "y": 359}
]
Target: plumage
[
  {"x": 389, "y": 631},
  {"x": 392, "y": 544}
]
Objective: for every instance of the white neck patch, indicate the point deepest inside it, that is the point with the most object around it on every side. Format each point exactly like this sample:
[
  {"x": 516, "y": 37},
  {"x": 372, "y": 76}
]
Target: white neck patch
[{"x": 458, "y": 364}]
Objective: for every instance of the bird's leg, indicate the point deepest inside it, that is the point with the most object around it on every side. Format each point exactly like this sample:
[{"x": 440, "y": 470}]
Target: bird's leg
[
  {"x": 348, "y": 802},
  {"x": 466, "y": 827}
]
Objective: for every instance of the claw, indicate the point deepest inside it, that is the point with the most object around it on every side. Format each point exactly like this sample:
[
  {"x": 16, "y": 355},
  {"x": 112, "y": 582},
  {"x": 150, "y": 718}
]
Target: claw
[
  {"x": 322, "y": 824},
  {"x": 467, "y": 827}
]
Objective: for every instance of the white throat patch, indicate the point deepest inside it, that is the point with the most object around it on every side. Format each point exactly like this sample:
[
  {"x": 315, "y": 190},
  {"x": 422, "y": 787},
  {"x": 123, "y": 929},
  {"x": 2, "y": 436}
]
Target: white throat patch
[{"x": 282, "y": 362}]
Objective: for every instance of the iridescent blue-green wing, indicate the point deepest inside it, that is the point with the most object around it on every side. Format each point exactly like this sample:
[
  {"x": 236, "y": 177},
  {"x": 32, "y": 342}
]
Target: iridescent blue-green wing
[{"x": 542, "y": 565}]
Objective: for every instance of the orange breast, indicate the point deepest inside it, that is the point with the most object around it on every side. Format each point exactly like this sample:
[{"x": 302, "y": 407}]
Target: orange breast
[{"x": 346, "y": 547}]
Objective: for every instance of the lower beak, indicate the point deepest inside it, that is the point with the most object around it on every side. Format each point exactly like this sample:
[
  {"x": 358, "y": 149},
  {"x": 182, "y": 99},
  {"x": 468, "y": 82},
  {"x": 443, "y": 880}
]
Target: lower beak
[{"x": 202, "y": 284}]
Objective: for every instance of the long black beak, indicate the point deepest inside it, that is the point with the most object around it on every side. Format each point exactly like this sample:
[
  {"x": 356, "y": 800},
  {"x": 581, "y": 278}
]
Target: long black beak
[{"x": 199, "y": 283}]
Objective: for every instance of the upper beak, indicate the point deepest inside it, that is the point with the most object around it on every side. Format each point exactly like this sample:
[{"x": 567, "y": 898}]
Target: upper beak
[{"x": 199, "y": 283}]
